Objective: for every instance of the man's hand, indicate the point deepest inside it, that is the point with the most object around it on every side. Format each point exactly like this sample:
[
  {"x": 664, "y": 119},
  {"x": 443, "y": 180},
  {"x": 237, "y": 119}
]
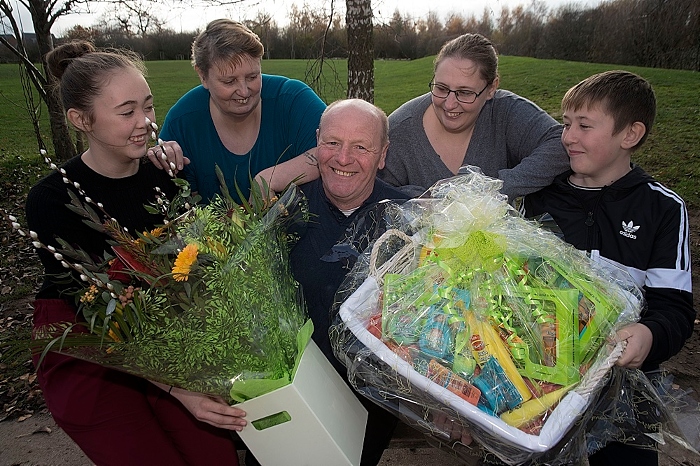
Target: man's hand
[
  {"x": 168, "y": 156},
  {"x": 453, "y": 429}
]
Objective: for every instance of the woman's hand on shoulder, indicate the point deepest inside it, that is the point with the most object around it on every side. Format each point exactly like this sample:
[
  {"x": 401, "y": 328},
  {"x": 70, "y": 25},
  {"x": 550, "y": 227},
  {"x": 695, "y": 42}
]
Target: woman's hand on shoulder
[
  {"x": 298, "y": 170},
  {"x": 168, "y": 156}
]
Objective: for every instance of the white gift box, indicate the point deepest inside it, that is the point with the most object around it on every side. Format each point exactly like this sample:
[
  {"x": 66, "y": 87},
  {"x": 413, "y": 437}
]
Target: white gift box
[{"x": 321, "y": 421}]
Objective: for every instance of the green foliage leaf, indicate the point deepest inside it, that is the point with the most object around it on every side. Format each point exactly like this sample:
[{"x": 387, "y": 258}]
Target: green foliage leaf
[{"x": 111, "y": 306}]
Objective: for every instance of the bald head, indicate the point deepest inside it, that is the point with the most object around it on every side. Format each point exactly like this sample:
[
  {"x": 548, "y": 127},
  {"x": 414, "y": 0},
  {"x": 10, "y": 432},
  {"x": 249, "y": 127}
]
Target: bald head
[
  {"x": 352, "y": 140},
  {"x": 360, "y": 107}
]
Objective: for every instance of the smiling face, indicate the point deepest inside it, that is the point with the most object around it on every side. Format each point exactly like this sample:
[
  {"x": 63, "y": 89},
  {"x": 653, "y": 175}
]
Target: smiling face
[
  {"x": 116, "y": 124},
  {"x": 460, "y": 74},
  {"x": 597, "y": 156},
  {"x": 350, "y": 151},
  {"x": 234, "y": 88}
]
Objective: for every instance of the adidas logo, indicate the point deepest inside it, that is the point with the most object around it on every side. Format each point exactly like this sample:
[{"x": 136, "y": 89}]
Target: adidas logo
[{"x": 629, "y": 229}]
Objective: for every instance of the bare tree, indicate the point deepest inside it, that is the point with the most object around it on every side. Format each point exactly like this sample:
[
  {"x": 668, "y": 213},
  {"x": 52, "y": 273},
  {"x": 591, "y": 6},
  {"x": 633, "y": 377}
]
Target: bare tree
[
  {"x": 79, "y": 32},
  {"x": 432, "y": 34},
  {"x": 485, "y": 26},
  {"x": 456, "y": 24},
  {"x": 44, "y": 15},
  {"x": 568, "y": 34},
  {"x": 316, "y": 77},
  {"x": 405, "y": 35},
  {"x": 358, "y": 20},
  {"x": 262, "y": 25},
  {"x": 135, "y": 17}
]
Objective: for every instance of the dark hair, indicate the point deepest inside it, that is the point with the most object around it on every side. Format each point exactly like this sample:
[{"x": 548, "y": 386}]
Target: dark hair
[
  {"x": 81, "y": 71},
  {"x": 476, "y": 48},
  {"x": 625, "y": 96},
  {"x": 224, "y": 41}
]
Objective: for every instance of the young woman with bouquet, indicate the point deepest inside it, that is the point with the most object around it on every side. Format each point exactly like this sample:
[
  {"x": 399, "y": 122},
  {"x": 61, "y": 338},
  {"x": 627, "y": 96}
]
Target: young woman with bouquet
[{"x": 114, "y": 417}]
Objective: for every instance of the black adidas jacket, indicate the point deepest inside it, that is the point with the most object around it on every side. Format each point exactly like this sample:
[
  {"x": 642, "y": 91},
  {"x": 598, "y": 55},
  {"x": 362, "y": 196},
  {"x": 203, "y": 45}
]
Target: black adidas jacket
[{"x": 641, "y": 226}]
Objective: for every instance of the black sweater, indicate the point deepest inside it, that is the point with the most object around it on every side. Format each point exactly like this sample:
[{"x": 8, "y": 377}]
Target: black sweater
[
  {"x": 318, "y": 266},
  {"x": 642, "y": 227},
  {"x": 123, "y": 199}
]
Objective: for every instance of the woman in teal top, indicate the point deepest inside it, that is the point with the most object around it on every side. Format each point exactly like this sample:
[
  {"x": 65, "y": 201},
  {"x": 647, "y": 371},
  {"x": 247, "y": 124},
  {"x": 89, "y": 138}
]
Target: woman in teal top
[{"x": 241, "y": 120}]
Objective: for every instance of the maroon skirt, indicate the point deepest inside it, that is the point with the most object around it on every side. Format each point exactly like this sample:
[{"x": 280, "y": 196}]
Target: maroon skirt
[{"x": 117, "y": 418}]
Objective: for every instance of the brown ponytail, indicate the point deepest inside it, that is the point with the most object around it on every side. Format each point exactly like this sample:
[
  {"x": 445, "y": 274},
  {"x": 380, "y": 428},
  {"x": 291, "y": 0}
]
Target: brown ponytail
[{"x": 81, "y": 71}]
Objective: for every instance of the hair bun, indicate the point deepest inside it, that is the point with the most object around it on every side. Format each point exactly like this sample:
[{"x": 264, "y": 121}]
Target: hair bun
[{"x": 62, "y": 56}]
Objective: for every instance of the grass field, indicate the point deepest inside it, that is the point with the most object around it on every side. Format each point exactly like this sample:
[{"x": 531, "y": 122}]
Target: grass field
[{"x": 671, "y": 153}]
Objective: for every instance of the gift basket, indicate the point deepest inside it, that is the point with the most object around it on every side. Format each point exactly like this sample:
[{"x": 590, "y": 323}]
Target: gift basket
[{"x": 465, "y": 318}]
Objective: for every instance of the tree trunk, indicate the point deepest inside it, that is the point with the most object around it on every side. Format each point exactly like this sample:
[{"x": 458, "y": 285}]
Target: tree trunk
[
  {"x": 360, "y": 49},
  {"x": 60, "y": 136}
]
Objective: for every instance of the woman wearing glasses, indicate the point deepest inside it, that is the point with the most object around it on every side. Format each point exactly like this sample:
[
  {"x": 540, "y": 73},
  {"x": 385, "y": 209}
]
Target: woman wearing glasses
[{"x": 466, "y": 120}]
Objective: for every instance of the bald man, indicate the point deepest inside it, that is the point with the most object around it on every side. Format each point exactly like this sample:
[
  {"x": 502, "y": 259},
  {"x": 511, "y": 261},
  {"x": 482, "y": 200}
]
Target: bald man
[{"x": 352, "y": 142}]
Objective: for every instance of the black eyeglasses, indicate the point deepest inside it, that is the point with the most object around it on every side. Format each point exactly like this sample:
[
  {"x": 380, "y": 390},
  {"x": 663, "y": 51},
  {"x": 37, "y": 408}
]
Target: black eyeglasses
[{"x": 462, "y": 95}]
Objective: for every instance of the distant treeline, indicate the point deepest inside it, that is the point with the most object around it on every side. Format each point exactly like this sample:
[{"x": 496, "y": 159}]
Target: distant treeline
[{"x": 653, "y": 33}]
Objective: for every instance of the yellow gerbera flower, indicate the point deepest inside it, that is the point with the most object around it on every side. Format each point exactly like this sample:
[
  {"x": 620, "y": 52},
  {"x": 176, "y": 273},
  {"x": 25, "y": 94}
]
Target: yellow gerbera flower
[{"x": 184, "y": 261}]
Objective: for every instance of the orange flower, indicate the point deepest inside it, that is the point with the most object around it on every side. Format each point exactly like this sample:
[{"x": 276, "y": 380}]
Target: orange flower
[
  {"x": 113, "y": 335},
  {"x": 184, "y": 262},
  {"x": 155, "y": 233}
]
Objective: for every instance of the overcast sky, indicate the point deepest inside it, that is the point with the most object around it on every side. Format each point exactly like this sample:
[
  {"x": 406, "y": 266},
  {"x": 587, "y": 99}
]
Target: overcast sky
[{"x": 189, "y": 19}]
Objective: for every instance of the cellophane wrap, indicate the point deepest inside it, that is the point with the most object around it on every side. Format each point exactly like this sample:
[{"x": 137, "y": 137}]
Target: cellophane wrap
[{"x": 463, "y": 317}]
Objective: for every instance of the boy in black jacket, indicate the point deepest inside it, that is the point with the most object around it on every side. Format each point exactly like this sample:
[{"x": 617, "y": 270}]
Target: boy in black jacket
[{"x": 620, "y": 215}]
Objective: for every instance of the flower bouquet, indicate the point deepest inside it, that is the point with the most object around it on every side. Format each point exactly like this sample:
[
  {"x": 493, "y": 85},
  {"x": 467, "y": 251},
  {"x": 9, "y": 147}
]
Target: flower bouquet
[
  {"x": 463, "y": 316},
  {"x": 205, "y": 302}
]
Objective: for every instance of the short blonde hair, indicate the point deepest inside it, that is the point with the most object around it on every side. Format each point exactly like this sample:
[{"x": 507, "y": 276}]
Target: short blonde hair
[{"x": 225, "y": 41}]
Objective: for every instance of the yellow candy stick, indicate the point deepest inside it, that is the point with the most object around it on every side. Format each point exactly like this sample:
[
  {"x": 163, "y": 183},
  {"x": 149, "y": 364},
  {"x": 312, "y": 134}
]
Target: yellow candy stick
[
  {"x": 424, "y": 252},
  {"x": 531, "y": 410},
  {"x": 498, "y": 349}
]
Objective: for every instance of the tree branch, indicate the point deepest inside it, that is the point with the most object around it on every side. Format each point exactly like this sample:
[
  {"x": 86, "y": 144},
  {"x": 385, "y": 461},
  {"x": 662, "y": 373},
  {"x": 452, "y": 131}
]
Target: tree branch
[{"x": 20, "y": 52}]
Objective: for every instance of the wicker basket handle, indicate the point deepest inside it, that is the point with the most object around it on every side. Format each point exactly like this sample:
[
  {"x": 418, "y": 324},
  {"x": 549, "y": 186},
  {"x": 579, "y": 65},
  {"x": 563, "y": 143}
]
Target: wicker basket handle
[{"x": 403, "y": 259}]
